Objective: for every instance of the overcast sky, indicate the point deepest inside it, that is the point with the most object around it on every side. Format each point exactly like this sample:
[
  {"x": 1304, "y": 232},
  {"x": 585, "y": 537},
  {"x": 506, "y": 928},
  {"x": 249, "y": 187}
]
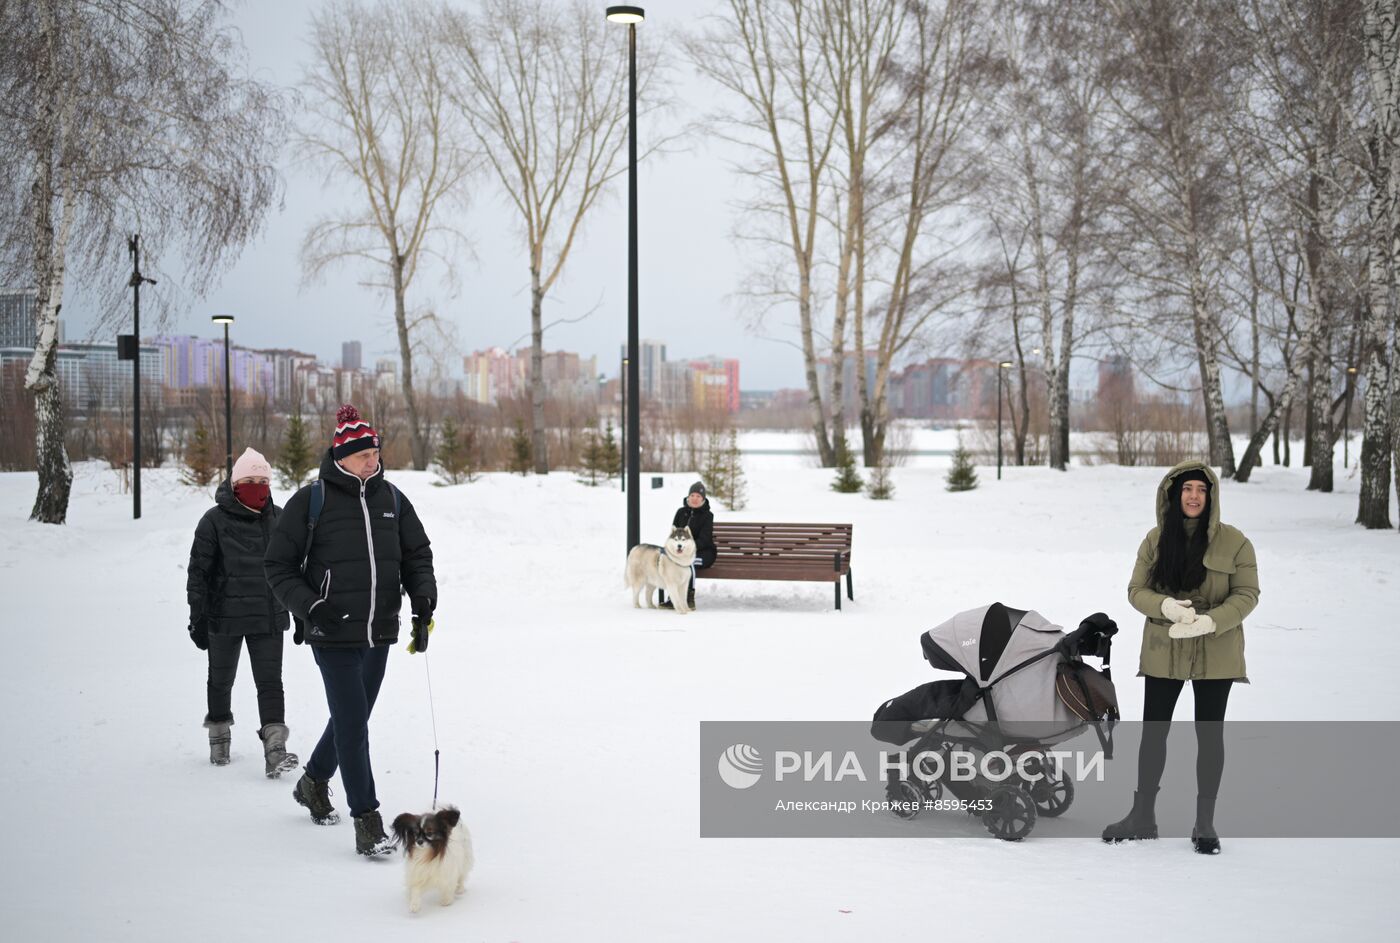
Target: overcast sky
[{"x": 689, "y": 264}]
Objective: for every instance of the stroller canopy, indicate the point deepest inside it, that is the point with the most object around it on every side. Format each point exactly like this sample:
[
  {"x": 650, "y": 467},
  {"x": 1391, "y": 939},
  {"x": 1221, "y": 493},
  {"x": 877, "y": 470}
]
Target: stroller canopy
[{"x": 992, "y": 645}]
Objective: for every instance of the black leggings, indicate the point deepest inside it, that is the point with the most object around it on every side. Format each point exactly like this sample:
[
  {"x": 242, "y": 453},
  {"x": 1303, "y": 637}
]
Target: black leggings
[
  {"x": 1159, "y": 700},
  {"x": 265, "y": 655}
]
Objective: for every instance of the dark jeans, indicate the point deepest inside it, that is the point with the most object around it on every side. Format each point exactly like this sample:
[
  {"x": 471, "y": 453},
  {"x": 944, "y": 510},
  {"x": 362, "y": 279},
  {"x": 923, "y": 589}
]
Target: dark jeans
[
  {"x": 352, "y": 677},
  {"x": 265, "y": 655},
  {"x": 1159, "y": 701}
]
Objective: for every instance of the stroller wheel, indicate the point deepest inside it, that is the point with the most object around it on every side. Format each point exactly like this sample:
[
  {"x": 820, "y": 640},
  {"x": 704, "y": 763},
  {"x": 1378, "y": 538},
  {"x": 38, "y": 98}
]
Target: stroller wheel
[
  {"x": 1012, "y": 815},
  {"x": 1052, "y": 796},
  {"x": 909, "y": 797}
]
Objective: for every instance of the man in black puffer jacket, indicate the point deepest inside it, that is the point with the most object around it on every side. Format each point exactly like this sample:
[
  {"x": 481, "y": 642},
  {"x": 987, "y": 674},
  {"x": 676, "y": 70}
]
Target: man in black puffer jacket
[
  {"x": 231, "y": 605},
  {"x": 695, "y": 513},
  {"x": 366, "y": 550}
]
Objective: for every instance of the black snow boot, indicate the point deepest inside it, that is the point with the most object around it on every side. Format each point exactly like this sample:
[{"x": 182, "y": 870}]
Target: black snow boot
[
  {"x": 219, "y": 739},
  {"x": 315, "y": 795},
  {"x": 690, "y": 598},
  {"x": 275, "y": 756},
  {"x": 370, "y": 839},
  {"x": 1203, "y": 836},
  {"x": 664, "y": 603},
  {"x": 1141, "y": 823}
]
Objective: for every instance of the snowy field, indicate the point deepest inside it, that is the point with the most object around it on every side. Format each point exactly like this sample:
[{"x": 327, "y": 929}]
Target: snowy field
[{"x": 568, "y": 721}]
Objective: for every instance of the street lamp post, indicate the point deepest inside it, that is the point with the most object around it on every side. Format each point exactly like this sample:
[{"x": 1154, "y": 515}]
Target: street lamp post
[
  {"x": 129, "y": 348},
  {"x": 622, "y": 400},
  {"x": 1002, "y": 367},
  {"x": 631, "y": 16},
  {"x": 226, "y": 320}
]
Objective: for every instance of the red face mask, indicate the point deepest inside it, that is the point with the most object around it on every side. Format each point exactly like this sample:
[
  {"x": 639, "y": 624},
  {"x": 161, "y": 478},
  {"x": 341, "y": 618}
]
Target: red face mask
[{"x": 252, "y": 494}]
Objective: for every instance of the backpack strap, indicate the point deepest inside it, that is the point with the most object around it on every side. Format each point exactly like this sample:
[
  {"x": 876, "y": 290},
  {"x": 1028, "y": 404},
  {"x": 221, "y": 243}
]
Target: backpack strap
[
  {"x": 318, "y": 502},
  {"x": 313, "y": 514}
]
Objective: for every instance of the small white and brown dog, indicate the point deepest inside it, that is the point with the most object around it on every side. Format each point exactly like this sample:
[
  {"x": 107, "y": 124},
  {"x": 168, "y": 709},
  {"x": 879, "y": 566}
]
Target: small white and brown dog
[{"x": 437, "y": 854}]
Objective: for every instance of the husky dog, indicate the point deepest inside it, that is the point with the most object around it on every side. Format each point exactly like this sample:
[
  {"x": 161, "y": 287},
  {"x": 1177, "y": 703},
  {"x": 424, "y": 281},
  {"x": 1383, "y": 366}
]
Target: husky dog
[
  {"x": 437, "y": 854},
  {"x": 650, "y": 567}
]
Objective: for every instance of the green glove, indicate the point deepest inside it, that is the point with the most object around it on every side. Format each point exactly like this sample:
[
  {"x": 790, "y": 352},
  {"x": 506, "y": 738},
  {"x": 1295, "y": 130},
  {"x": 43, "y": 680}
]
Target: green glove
[{"x": 419, "y": 641}]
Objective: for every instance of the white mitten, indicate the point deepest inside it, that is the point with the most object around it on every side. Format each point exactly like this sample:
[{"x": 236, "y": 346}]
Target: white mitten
[
  {"x": 1178, "y": 610},
  {"x": 1203, "y": 625}
]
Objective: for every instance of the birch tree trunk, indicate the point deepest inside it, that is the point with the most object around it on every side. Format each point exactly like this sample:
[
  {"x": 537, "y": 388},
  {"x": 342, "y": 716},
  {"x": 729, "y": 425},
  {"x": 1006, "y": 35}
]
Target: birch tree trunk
[
  {"x": 1379, "y": 435},
  {"x": 50, "y": 249},
  {"x": 417, "y": 437}
]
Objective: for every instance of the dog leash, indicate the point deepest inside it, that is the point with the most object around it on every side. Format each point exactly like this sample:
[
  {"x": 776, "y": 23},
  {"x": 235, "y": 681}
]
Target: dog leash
[{"x": 432, "y": 713}]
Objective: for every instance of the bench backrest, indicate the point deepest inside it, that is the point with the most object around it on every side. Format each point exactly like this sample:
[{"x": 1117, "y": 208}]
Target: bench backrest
[{"x": 753, "y": 540}]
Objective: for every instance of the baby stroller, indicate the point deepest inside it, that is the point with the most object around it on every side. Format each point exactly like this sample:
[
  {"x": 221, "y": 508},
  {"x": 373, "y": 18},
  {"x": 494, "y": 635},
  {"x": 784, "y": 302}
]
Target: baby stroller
[{"x": 1025, "y": 688}]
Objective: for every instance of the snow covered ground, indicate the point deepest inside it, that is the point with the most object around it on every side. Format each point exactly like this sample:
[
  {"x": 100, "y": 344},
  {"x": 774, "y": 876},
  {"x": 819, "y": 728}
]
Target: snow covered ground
[{"x": 568, "y": 721}]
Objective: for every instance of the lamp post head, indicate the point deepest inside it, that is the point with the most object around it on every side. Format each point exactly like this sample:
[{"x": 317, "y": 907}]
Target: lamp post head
[
  {"x": 222, "y": 319},
  {"x": 626, "y": 15},
  {"x": 1004, "y": 364},
  {"x": 1351, "y": 369}
]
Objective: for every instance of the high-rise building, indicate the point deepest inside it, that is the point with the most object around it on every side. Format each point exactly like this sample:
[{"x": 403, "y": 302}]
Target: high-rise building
[
  {"x": 566, "y": 375},
  {"x": 14, "y": 364},
  {"x": 17, "y": 319},
  {"x": 850, "y": 391},
  {"x": 491, "y": 376},
  {"x": 651, "y": 355},
  {"x": 676, "y": 388},
  {"x": 351, "y": 355},
  {"x": 715, "y": 384}
]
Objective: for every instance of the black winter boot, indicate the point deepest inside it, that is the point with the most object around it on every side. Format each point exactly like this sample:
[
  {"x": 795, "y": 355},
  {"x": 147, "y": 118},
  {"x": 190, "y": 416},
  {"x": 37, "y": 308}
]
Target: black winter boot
[
  {"x": 690, "y": 598},
  {"x": 1203, "y": 836},
  {"x": 664, "y": 603},
  {"x": 315, "y": 795},
  {"x": 1141, "y": 823},
  {"x": 219, "y": 739},
  {"x": 370, "y": 839},
  {"x": 276, "y": 759}
]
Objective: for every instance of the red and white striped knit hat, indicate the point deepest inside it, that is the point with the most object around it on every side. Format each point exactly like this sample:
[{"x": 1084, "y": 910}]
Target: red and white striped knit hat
[{"x": 352, "y": 434}]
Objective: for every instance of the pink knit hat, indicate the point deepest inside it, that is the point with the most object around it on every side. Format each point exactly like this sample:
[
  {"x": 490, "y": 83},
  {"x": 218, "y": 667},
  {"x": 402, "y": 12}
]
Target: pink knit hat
[{"x": 251, "y": 464}]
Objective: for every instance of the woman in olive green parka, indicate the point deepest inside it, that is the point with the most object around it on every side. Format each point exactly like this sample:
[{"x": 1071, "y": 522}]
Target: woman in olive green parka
[{"x": 1195, "y": 579}]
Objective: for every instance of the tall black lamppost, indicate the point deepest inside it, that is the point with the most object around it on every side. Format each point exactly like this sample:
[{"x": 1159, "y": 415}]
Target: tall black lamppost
[
  {"x": 631, "y": 16},
  {"x": 226, "y": 320},
  {"x": 622, "y": 399},
  {"x": 129, "y": 348},
  {"x": 1001, "y": 373}
]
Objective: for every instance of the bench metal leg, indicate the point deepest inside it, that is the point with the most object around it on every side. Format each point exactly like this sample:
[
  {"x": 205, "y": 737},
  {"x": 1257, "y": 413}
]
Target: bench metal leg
[
  {"x": 837, "y": 584},
  {"x": 850, "y": 592}
]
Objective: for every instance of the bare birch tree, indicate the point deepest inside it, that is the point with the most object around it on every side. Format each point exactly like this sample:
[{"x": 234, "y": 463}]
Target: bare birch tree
[
  {"x": 120, "y": 117},
  {"x": 1050, "y": 160},
  {"x": 1380, "y": 349},
  {"x": 543, "y": 86},
  {"x": 377, "y": 117},
  {"x": 908, "y": 237},
  {"x": 860, "y": 41},
  {"x": 768, "y": 55},
  {"x": 1170, "y": 82}
]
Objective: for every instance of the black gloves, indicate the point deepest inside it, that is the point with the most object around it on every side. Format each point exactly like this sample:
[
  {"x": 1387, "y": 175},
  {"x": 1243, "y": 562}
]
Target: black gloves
[
  {"x": 422, "y": 623},
  {"x": 298, "y": 631},
  {"x": 199, "y": 634}
]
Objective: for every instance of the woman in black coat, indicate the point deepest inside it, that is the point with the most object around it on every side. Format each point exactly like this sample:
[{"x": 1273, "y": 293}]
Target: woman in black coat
[
  {"x": 695, "y": 513},
  {"x": 231, "y": 605}
]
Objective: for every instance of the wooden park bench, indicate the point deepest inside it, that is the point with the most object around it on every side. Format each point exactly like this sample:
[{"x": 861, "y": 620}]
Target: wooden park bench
[{"x": 805, "y": 552}]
